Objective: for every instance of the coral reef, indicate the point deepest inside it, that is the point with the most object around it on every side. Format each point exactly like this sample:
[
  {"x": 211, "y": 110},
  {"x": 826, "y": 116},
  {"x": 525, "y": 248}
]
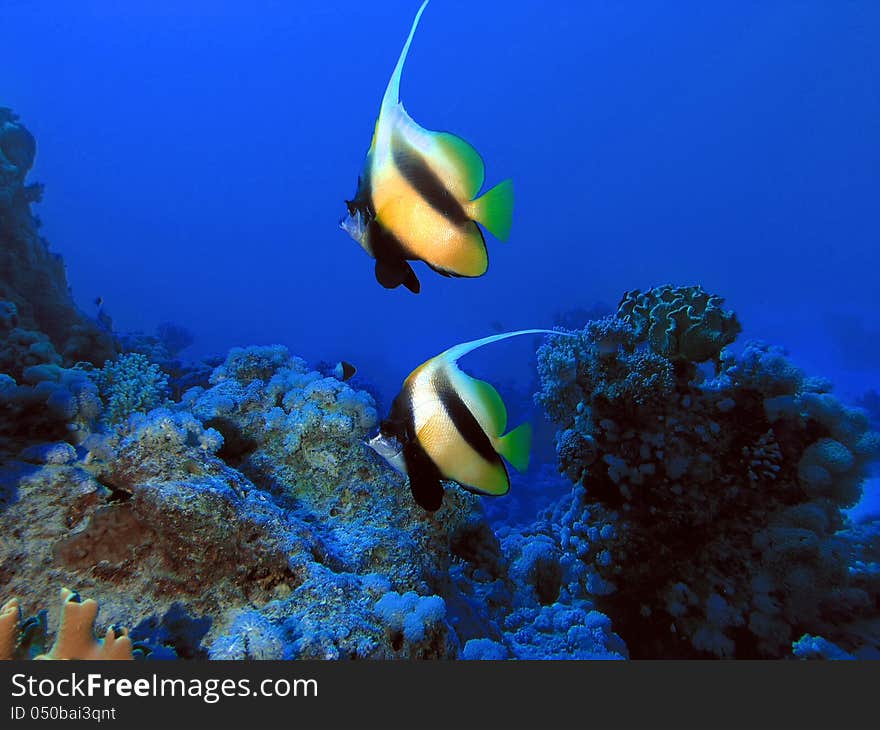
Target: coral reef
[
  {"x": 815, "y": 647},
  {"x": 163, "y": 349},
  {"x": 254, "y": 505},
  {"x": 45, "y": 323},
  {"x": 870, "y": 402},
  {"x": 50, "y": 404},
  {"x": 249, "y": 636},
  {"x": 416, "y": 626},
  {"x": 706, "y": 510},
  {"x": 229, "y": 508}
]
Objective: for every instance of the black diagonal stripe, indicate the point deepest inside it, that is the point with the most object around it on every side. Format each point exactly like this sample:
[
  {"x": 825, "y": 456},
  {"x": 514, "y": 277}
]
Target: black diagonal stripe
[
  {"x": 418, "y": 173},
  {"x": 383, "y": 242},
  {"x": 424, "y": 477},
  {"x": 466, "y": 423}
]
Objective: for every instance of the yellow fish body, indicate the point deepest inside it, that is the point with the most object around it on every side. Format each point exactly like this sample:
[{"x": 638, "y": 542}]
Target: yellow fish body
[
  {"x": 416, "y": 197},
  {"x": 444, "y": 424}
]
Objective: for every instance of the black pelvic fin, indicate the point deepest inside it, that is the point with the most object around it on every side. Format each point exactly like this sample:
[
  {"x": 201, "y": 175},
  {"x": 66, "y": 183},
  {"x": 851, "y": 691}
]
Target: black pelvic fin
[
  {"x": 424, "y": 478},
  {"x": 411, "y": 281},
  {"x": 391, "y": 273}
]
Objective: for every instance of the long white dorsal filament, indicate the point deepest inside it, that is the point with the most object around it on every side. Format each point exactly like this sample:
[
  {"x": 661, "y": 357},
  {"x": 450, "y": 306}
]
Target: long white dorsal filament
[
  {"x": 392, "y": 92},
  {"x": 454, "y": 353}
]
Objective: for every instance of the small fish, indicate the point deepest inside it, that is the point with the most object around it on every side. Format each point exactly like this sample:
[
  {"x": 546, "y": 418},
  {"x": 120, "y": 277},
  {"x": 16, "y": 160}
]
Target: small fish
[
  {"x": 416, "y": 197},
  {"x": 344, "y": 370},
  {"x": 444, "y": 424}
]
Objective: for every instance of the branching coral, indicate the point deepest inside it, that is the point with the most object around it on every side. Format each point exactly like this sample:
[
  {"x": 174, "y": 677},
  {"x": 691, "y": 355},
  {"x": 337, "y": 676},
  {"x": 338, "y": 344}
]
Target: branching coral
[
  {"x": 707, "y": 505},
  {"x": 130, "y": 384}
]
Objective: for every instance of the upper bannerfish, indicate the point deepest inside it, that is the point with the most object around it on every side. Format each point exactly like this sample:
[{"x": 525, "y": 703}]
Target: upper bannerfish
[{"x": 416, "y": 197}]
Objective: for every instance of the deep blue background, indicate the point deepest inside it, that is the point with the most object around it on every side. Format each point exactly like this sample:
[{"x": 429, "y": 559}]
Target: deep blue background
[{"x": 197, "y": 155}]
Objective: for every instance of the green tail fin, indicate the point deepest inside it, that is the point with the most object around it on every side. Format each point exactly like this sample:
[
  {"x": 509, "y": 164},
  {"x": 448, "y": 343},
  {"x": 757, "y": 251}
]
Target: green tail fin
[
  {"x": 494, "y": 209},
  {"x": 515, "y": 446}
]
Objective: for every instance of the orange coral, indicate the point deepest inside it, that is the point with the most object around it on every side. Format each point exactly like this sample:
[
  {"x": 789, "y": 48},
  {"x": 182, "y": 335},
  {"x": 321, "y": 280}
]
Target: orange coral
[
  {"x": 76, "y": 633},
  {"x": 10, "y": 618}
]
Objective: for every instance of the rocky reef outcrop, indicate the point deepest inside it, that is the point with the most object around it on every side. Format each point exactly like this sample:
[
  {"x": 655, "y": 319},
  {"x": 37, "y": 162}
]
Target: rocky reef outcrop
[
  {"x": 709, "y": 487},
  {"x": 38, "y": 319}
]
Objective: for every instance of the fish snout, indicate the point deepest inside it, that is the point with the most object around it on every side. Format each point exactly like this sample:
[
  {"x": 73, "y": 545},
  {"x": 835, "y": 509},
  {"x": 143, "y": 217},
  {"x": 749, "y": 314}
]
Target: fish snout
[
  {"x": 355, "y": 226},
  {"x": 390, "y": 449}
]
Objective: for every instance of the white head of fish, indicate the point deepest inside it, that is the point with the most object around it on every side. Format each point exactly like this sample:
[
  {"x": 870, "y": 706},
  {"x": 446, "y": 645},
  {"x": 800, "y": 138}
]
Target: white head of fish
[
  {"x": 390, "y": 449},
  {"x": 355, "y": 225}
]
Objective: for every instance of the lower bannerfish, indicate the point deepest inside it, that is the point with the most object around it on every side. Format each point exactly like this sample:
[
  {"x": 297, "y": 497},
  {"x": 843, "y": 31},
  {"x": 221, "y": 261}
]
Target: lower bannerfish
[{"x": 444, "y": 424}]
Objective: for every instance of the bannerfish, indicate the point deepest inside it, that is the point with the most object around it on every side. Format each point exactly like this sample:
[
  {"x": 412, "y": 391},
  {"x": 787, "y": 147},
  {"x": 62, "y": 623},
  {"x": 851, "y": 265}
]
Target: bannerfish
[
  {"x": 444, "y": 424},
  {"x": 416, "y": 197},
  {"x": 344, "y": 370}
]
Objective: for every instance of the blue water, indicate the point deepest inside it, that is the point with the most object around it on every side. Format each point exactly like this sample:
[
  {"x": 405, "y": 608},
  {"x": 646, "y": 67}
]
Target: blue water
[{"x": 197, "y": 156}]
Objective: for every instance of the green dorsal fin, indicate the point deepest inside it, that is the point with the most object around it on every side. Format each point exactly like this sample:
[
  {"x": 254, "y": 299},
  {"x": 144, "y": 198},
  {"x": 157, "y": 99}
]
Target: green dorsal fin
[
  {"x": 466, "y": 160},
  {"x": 515, "y": 446}
]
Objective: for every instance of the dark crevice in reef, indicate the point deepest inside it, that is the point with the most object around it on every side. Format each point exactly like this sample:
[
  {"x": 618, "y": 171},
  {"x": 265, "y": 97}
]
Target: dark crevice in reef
[{"x": 237, "y": 445}]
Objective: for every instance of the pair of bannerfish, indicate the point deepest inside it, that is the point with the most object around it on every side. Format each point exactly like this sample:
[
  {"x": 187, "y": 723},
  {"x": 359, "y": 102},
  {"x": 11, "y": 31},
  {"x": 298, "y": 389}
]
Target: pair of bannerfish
[{"x": 416, "y": 201}]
